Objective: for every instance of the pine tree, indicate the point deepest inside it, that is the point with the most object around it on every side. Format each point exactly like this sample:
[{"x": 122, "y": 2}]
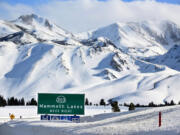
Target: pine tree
[
  {"x": 115, "y": 107},
  {"x": 32, "y": 102},
  {"x": 16, "y": 102},
  {"x": 172, "y": 102},
  {"x": 22, "y": 102},
  {"x": 86, "y": 101},
  {"x": 102, "y": 102},
  {"x": 151, "y": 104},
  {"x": 166, "y": 103},
  {"x": 2, "y": 101},
  {"x": 11, "y": 101},
  {"x": 131, "y": 107}
]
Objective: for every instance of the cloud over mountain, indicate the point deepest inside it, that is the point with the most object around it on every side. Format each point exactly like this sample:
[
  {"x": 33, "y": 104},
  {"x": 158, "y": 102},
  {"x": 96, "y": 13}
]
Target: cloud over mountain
[{"x": 82, "y": 15}]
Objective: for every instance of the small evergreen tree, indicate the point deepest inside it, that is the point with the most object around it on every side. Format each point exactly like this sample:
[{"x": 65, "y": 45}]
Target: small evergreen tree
[
  {"x": 86, "y": 101},
  {"x": 131, "y": 107},
  {"x": 16, "y": 102},
  {"x": 138, "y": 105},
  {"x": 11, "y": 101},
  {"x": 172, "y": 102},
  {"x": 22, "y": 102},
  {"x": 115, "y": 107},
  {"x": 102, "y": 102},
  {"x": 28, "y": 103},
  {"x": 2, "y": 101},
  {"x": 179, "y": 103},
  {"x": 166, "y": 103},
  {"x": 151, "y": 104},
  {"x": 32, "y": 102}
]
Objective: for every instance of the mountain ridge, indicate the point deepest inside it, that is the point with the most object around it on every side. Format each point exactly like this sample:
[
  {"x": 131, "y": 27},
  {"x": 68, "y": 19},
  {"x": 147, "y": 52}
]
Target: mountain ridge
[{"x": 121, "y": 61}]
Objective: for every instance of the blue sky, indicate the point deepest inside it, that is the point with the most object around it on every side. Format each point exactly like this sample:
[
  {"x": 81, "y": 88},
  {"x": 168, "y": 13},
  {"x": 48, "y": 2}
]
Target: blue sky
[
  {"x": 167, "y": 1},
  {"x": 83, "y": 15},
  {"x": 35, "y": 2}
]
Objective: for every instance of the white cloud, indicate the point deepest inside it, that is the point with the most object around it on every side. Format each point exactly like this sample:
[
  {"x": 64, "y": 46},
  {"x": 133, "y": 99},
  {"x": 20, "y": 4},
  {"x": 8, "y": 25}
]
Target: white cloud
[
  {"x": 8, "y": 11},
  {"x": 82, "y": 15}
]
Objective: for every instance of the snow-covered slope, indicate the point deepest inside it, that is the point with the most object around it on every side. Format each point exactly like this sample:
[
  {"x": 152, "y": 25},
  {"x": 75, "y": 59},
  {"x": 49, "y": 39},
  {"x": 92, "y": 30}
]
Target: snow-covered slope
[
  {"x": 139, "y": 38},
  {"x": 170, "y": 59},
  {"x": 140, "y": 121},
  {"x": 32, "y": 29},
  {"x": 41, "y": 27},
  {"x": 123, "y": 61},
  {"x": 7, "y": 28}
]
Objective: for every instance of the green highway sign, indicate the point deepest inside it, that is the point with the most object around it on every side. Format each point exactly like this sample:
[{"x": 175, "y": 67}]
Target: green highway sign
[{"x": 49, "y": 103}]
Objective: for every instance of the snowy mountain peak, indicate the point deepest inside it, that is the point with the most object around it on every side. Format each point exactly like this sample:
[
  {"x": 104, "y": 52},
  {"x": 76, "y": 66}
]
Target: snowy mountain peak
[
  {"x": 149, "y": 37},
  {"x": 32, "y": 18},
  {"x": 40, "y": 28}
]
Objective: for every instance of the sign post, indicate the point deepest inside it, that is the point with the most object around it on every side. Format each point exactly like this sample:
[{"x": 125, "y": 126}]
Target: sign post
[
  {"x": 49, "y": 103},
  {"x": 159, "y": 119}
]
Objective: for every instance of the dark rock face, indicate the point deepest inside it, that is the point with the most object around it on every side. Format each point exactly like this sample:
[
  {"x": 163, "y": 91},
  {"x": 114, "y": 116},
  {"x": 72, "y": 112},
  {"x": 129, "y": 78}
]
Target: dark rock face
[
  {"x": 173, "y": 32},
  {"x": 61, "y": 42},
  {"x": 118, "y": 62},
  {"x": 47, "y": 24},
  {"x": 28, "y": 19},
  {"x": 15, "y": 37}
]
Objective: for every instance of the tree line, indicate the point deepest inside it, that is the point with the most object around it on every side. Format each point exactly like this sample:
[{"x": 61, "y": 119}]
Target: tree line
[
  {"x": 102, "y": 102},
  {"x": 15, "y": 101},
  {"x": 152, "y": 104},
  {"x": 131, "y": 106},
  {"x": 114, "y": 104}
]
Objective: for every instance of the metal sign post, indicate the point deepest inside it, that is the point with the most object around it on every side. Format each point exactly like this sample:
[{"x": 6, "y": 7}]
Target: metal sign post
[{"x": 159, "y": 119}]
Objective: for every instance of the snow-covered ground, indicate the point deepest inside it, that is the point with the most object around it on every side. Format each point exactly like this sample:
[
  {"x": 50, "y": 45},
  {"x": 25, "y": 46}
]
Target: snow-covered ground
[
  {"x": 143, "y": 121},
  {"x": 31, "y": 111}
]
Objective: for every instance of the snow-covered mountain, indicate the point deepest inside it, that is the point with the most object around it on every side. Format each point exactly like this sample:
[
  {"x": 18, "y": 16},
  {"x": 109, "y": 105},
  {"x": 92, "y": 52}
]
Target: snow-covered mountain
[
  {"x": 150, "y": 38},
  {"x": 123, "y": 61},
  {"x": 170, "y": 59}
]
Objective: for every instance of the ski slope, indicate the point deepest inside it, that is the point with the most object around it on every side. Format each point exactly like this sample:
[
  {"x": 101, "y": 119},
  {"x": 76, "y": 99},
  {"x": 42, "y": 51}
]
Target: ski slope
[{"x": 142, "y": 121}]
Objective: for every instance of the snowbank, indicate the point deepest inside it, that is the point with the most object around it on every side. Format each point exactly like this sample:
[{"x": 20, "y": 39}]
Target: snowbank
[{"x": 143, "y": 121}]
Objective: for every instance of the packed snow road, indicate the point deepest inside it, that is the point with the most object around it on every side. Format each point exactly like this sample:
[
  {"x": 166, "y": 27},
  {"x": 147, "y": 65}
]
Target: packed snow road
[{"x": 141, "y": 121}]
